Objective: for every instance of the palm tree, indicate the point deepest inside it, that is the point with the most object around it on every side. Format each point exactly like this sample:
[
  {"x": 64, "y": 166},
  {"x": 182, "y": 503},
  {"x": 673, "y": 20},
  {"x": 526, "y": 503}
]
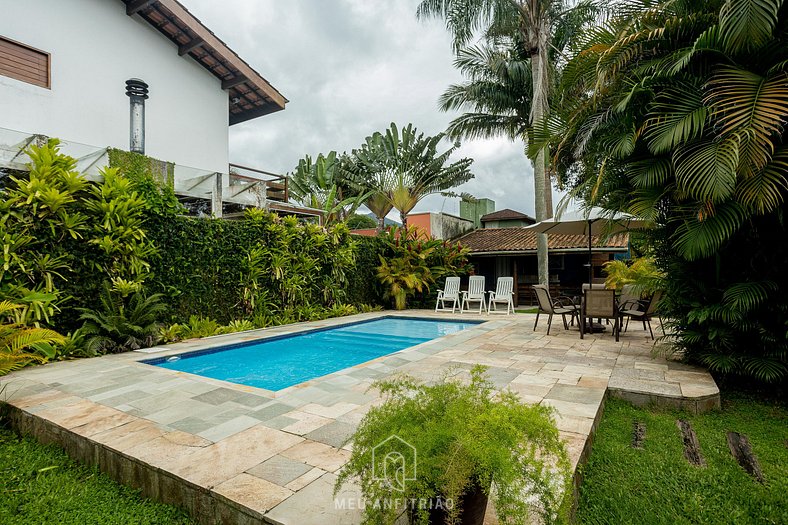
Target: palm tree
[
  {"x": 401, "y": 168},
  {"x": 676, "y": 111},
  {"x": 497, "y": 91},
  {"x": 322, "y": 185}
]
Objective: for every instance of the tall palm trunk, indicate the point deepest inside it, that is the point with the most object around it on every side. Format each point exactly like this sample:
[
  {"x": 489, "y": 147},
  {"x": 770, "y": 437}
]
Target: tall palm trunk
[
  {"x": 404, "y": 218},
  {"x": 539, "y": 110},
  {"x": 381, "y": 223}
]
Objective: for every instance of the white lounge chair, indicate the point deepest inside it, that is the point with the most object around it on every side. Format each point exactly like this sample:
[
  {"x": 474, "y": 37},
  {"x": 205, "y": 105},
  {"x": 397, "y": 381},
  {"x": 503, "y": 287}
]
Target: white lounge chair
[
  {"x": 450, "y": 293},
  {"x": 504, "y": 291},
  {"x": 474, "y": 293}
]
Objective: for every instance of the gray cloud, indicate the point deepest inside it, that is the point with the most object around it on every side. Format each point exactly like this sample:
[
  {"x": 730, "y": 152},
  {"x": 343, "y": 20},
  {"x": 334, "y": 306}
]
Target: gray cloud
[{"x": 349, "y": 68}]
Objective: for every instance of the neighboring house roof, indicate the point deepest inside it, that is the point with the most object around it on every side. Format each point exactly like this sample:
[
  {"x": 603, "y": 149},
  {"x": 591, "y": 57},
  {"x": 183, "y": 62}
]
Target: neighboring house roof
[
  {"x": 250, "y": 95},
  {"x": 506, "y": 215},
  {"x": 520, "y": 240}
]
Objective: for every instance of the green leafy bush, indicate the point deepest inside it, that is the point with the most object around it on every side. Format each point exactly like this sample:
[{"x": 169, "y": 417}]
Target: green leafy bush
[
  {"x": 20, "y": 344},
  {"x": 641, "y": 274},
  {"x": 413, "y": 263},
  {"x": 123, "y": 323},
  {"x": 65, "y": 235},
  {"x": 464, "y": 435},
  {"x": 199, "y": 326}
]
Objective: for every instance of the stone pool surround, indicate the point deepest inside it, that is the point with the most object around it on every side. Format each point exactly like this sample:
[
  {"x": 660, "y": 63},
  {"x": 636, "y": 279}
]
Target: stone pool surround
[{"x": 231, "y": 453}]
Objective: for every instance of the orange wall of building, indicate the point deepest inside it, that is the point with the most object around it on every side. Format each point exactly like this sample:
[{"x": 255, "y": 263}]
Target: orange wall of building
[{"x": 421, "y": 221}]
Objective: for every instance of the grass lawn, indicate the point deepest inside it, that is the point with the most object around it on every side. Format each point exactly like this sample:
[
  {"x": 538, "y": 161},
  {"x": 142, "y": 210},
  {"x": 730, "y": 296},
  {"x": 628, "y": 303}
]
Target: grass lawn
[
  {"x": 527, "y": 310},
  {"x": 40, "y": 484},
  {"x": 657, "y": 485}
]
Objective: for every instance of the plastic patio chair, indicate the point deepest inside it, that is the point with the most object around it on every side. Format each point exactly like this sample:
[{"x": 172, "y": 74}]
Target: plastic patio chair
[
  {"x": 641, "y": 311},
  {"x": 561, "y": 305},
  {"x": 474, "y": 293},
  {"x": 602, "y": 305},
  {"x": 451, "y": 292},
  {"x": 504, "y": 291}
]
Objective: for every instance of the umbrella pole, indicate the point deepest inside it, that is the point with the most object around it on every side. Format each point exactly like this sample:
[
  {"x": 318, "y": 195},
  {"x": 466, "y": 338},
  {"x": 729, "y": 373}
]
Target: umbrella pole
[{"x": 590, "y": 266}]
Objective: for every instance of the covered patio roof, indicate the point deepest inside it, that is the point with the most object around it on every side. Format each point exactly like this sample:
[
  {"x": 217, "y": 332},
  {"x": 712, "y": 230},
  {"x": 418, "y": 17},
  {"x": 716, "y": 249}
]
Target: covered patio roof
[
  {"x": 250, "y": 95},
  {"x": 521, "y": 241}
]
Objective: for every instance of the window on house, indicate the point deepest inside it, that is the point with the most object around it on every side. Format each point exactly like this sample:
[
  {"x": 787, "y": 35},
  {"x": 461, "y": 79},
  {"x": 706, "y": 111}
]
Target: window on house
[{"x": 24, "y": 63}]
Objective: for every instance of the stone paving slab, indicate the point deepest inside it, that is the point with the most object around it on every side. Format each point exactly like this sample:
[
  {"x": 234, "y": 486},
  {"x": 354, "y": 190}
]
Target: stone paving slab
[{"x": 235, "y": 453}]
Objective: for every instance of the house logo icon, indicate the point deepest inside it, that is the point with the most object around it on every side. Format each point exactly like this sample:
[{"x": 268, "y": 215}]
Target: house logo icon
[{"x": 394, "y": 462}]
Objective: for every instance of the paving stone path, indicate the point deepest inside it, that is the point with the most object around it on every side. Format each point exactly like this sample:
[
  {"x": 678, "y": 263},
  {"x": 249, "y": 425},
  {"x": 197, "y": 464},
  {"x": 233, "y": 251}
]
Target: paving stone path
[{"x": 245, "y": 455}]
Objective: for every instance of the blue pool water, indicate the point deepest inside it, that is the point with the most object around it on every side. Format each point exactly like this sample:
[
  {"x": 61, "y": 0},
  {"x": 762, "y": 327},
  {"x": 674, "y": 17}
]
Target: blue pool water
[{"x": 280, "y": 362}]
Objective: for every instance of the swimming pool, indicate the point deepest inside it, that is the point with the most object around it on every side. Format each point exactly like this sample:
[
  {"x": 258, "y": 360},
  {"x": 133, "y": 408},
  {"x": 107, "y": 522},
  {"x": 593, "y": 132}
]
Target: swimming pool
[{"x": 279, "y": 362}]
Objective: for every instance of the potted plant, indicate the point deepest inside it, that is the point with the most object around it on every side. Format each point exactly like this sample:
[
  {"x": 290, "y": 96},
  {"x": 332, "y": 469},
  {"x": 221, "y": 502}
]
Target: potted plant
[{"x": 434, "y": 453}]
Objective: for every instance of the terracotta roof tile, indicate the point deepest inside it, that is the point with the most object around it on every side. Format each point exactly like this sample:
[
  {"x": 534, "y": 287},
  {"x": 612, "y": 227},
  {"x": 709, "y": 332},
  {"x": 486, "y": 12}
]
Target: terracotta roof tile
[
  {"x": 523, "y": 240},
  {"x": 506, "y": 214}
]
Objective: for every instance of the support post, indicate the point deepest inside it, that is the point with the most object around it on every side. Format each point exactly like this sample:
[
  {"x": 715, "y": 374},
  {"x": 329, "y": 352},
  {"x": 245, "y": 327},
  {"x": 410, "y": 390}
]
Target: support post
[{"x": 216, "y": 196}]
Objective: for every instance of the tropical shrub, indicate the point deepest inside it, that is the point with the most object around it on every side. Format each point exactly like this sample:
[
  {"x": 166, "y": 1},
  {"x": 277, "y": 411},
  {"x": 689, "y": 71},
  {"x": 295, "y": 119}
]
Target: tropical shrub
[
  {"x": 413, "y": 263},
  {"x": 676, "y": 112},
  {"x": 259, "y": 265},
  {"x": 123, "y": 323},
  {"x": 63, "y": 235},
  {"x": 452, "y": 437},
  {"x": 642, "y": 274},
  {"x": 20, "y": 344}
]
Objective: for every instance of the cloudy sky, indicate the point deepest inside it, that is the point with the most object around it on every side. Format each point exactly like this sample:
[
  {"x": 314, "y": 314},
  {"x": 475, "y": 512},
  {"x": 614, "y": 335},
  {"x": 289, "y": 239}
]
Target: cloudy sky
[{"x": 350, "y": 68}]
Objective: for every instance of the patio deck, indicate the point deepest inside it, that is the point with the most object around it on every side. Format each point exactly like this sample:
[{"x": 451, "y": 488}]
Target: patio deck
[{"x": 236, "y": 454}]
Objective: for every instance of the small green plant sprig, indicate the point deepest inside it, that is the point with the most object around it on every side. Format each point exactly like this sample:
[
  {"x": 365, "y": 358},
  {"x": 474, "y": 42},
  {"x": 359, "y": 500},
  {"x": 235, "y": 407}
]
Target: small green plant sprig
[{"x": 465, "y": 435}]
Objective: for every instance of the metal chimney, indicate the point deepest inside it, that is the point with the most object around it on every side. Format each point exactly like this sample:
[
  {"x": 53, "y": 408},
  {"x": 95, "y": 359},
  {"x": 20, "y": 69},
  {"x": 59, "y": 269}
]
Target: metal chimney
[{"x": 137, "y": 91}]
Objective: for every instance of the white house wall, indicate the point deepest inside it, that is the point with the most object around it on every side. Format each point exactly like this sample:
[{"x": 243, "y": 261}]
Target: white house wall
[{"x": 94, "y": 49}]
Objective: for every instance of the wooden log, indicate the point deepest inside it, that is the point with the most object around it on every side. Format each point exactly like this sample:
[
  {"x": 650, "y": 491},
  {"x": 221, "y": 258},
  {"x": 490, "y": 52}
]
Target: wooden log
[
  {"x": 691, "y": 444},
  {"x": 742, "y": 451},
  {"x": 638, "y": 434}
]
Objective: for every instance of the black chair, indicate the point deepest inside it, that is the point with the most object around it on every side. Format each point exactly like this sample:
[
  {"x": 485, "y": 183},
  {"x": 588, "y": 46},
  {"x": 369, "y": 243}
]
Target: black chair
[{"x": 641, "y": 311}]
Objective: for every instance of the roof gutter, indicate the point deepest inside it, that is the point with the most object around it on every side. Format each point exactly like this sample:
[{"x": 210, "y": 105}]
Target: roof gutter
[{"x": 558, "y": 251}]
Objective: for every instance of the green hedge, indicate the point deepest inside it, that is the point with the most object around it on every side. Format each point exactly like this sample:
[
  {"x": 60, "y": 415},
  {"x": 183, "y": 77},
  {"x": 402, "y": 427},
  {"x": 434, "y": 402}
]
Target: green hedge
[
  {"x": 200, "y": 265},
  {"x": 363, "y": 284}
]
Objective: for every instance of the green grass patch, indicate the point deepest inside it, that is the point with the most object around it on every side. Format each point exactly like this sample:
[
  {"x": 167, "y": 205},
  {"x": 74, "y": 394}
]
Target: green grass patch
[
  {"x": 527, "y": 310},
  {"x": 657, "y": 485},
  {"x": 41, "y": 484}
]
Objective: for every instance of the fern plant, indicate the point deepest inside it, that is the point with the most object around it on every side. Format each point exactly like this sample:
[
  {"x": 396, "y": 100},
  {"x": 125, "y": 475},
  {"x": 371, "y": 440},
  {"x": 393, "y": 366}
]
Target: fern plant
[
  {"x": 123, "y": 323},
  {"x": 19, "y": 344},
  {"x": 444, "y": 440}
]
